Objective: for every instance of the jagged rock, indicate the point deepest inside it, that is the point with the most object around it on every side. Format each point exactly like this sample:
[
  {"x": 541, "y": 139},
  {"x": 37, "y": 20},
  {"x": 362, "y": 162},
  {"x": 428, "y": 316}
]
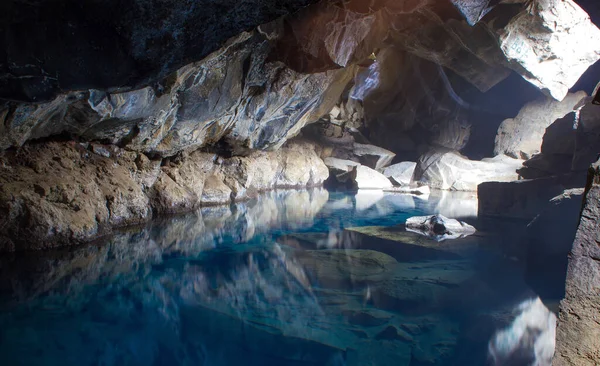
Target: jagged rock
[
  {"x": 339, "y": 166},
  {"x": 234, "y": 97},
  {"x": 439, "y": 227},
  {"x": 578, "y": 332},
  {"x": 551, "y": 43},
  {"x": 587, "y": 137},
  {"x": 362, "y": 177},
  {"x": 54, "y": 194},
  {"x": 446, "y": 169},
  {"x": 372, "y": 156},
  {"x": 522, "y": 136},
  {"x": 401, "y": 173},
  {"x": 108, "y": 44}
]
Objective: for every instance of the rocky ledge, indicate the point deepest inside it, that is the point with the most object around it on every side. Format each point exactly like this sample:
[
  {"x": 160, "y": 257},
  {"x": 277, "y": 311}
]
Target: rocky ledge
[{"x": 67, "y": 193}]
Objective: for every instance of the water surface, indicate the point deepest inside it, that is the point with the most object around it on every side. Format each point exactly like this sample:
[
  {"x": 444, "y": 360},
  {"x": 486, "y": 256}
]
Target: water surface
[{"x": 290, "y": 278}]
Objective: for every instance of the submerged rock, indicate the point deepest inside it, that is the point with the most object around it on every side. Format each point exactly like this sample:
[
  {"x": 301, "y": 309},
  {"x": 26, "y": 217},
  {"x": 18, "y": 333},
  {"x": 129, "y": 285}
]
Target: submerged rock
[{"x": 439, "y": 227}]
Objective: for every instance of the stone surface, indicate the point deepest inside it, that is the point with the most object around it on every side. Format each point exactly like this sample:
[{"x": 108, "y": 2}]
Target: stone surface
[
  {"x": 578, "y": 332},
  {"x": 112, "y": 45},
  {"x": 55, "y": 194},
  {"x": 234, "y": 99},
  {"x": 401, "y": 173},
  {"x": 522, "y": 136},
  {"x": 551, "y": 43},
  {"x": 523, "y": 199},
  {"x": 439, "y": 227},
  {"x": 372, "y": 156},
  {"x": 447, "y": 169},
  {"x": 363, "y": 177}
]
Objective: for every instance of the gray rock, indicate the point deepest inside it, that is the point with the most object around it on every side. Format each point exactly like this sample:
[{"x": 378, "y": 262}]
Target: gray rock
[
  {"x": 338, "y": 166},
  {"x": 449, "y": 170},
  {"x": 372, "y": 156},
  {"x": 578, "y": 332},
  {"x": 401, "y": 173},
  {"x": 363, "y": 177},
  {"x": 564, "y": 46},
  {"x": 522, "y": 136},
  {"x": 439, "y": 227}
]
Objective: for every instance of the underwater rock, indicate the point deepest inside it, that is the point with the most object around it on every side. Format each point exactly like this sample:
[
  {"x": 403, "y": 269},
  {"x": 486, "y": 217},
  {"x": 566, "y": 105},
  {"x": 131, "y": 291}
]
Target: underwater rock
[
  {"x": 564, "y": 44},
  {"x": 522, "y": 136},
  {"x": 578, "y": 332},
  {"x": 401, "y": 173},
  {"x": 449, "y": 170},
  {"x": 439, "y": 227}
]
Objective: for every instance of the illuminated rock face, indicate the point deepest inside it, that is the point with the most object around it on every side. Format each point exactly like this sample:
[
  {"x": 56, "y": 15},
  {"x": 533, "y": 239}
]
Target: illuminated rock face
[
  {"x": 551, "y": 44},
  {"x": 66, "y": 194}
]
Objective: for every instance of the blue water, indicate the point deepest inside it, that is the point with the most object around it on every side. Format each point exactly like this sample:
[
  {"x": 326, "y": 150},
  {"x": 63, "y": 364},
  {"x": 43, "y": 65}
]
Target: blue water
[{"x": 285, "y": 279}]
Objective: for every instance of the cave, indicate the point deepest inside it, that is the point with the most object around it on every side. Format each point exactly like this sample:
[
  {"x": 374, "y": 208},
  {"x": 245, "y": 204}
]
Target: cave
[{"x": 300, "y": 182}]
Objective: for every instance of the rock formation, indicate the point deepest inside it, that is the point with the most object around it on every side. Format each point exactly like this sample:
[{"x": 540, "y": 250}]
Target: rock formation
[
  {"x": 578, "y": 331},
  {"x": 521, "y": 137},
  {"x": 55, "y": 194},
  {"x": 439, "y": 227}
]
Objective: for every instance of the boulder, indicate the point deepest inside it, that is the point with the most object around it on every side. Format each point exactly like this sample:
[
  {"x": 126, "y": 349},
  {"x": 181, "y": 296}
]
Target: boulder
[
  {"x": 522, "y": 136},
  {"x": 449, "y": 170},
  {"x": 578, "y": 332},
  {"x": 339, "y": 166},
  {"x": 401, "y": 173},
  {"x": 564, "y": 44},
  {"x": 363, "y": 177},
  {"x": 439, "y": 227},
  {"x": 372, "y": 156}
]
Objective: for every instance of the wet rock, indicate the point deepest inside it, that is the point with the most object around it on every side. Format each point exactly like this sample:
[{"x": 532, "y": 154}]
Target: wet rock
[
  {"x": 401, "y": 173},
  {"x": 439, "y": 227},
  {"x": 379, "y": 353},
  {"x": 563, "y": 48},
  {"x": 522, "y": 136},
  {"x": 578, "y": 332},
  {"x": 449, "y": 170},
  {"x": 365, "y": 319},
  {"x": 344, "y": 269}
]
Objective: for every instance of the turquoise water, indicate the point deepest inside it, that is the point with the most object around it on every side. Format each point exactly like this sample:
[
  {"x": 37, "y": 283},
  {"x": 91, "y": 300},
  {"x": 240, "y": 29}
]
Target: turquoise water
[{"x": 290, "y": 278}]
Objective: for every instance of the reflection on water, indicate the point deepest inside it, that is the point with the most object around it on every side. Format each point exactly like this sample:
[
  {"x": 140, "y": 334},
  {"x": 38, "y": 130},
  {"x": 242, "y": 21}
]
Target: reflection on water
[{"x": 291, "y": 278}]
